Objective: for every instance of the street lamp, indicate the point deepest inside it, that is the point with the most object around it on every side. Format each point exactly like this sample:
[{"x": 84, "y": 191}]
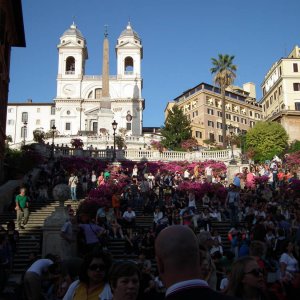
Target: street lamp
[
  {"x": 53, "y": 128},
  {"x": 243, "y": 144},
  {"x": 114, "y": 126},
  {"x": 24, "y": 132},
  {"x": 231, "y": 131}
]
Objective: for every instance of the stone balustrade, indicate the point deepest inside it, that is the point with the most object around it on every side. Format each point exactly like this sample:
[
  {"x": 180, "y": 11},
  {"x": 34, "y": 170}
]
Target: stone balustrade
[{"x": 149, "y": 155}]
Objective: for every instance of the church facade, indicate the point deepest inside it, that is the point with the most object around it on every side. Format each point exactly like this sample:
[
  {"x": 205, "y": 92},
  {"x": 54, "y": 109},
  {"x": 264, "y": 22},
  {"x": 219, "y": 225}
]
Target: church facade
[{"x": 87, "y": 104}]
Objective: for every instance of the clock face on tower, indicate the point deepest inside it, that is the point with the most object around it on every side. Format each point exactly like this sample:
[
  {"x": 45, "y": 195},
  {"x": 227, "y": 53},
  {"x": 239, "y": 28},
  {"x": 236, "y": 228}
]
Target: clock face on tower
[{"x": 69, "y": 89}]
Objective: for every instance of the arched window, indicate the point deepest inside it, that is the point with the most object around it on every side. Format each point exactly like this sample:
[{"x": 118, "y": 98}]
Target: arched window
[
  {"x": 128, "y": 65},
  {"x": 70, "y": 65}
]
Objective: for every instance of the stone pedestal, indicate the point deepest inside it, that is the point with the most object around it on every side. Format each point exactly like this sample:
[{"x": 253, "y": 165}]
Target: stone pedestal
[
  {"x": 78, "y": 152},
  {"x": 231, "y": 171},
  {"x": 52, "y": 240}
]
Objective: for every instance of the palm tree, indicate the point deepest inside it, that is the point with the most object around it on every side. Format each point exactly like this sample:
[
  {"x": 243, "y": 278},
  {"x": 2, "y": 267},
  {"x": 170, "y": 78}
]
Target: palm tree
[{"x": 224, "y": 71}]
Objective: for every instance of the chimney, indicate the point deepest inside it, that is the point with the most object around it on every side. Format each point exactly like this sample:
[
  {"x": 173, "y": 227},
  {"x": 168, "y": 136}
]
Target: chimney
[
  {"x": 29, "y": 100},
  {"x": 250, "y": 88}
]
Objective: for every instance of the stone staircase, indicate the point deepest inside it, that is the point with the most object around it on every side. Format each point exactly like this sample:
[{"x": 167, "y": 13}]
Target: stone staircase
[{"x": 31, "y": 237}]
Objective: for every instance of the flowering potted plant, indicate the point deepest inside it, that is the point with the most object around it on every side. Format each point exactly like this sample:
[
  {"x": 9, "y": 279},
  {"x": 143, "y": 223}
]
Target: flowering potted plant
[
  {"x": 77, "y": 143},
  {"x": 156, "y": 145},
  {"x": 189, "y": 144}
]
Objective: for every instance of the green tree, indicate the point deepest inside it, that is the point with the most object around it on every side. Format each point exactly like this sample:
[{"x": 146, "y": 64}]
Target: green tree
[
  {"x": 224, "y": 75},
  {"x": 176, "y": 130},
  {"x": 266, "y": 139},
  {"x": 294, "y": 147}
]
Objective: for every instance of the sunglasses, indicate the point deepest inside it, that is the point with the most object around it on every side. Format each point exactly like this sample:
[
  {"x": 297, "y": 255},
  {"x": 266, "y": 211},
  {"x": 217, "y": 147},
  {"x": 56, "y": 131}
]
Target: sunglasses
[
  {"x": 95, "y": 267},
  {"x": 255, "y": 272}
]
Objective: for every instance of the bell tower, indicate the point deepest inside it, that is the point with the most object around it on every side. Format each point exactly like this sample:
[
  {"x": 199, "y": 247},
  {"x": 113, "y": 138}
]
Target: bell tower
[
  {"x": 129, "y": 52},
  {"x": 72, "y": 55}
]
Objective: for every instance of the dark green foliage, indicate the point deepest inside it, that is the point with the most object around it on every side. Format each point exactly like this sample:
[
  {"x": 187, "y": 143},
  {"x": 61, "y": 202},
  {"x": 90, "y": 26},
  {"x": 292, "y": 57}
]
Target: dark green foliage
[
  {"x": 18, "y": 162},
  {"x": 294, "y": 147},
  {"x": 176, "y": 130}
]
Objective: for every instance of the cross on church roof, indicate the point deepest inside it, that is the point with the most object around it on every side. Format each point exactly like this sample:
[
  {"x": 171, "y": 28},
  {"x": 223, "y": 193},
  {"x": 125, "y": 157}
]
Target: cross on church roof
[{"x": 105, "y": 31}]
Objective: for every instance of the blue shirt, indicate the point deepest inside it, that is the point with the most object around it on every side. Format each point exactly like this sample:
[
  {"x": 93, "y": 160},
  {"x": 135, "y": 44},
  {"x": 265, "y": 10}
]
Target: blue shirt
[{"x": 237, "y": 181}]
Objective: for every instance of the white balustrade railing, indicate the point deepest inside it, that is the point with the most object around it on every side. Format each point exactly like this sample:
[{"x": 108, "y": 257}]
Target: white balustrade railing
[
  {"x": 136, "y": 151},
  {"x": 149, "y": 155}
]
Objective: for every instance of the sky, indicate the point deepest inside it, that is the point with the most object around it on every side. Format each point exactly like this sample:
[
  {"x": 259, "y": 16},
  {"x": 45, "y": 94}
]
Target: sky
[{"x": 179, "y": 39}]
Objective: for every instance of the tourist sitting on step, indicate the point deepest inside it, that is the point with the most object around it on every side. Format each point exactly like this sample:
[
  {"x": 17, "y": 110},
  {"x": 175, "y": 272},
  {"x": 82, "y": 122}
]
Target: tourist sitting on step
[
  {"x": 132, "y": 243},
  {"x": 116, "y": 229},
  {"x": 157, "y": 216},
  {"x": 129, "y": 220},
  {"x": 94, "y": 235},
  {"x": 205, "y": 220},
  {"x": 147, "y": 245}
]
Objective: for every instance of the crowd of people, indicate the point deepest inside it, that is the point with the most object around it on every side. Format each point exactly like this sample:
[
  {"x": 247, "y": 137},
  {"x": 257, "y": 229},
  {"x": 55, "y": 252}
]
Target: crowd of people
[{"x": 257, "y": 257}]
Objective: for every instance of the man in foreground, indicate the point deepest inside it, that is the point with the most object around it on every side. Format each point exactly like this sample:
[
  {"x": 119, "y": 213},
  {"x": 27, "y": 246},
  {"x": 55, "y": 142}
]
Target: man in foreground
[{"x": 178, "y": 262}]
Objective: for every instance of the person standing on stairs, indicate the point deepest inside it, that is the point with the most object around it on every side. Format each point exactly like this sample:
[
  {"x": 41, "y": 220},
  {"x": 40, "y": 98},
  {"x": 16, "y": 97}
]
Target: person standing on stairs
[
  {"x": 22, "y": 208},
  {"x": 73, "y": 181}
]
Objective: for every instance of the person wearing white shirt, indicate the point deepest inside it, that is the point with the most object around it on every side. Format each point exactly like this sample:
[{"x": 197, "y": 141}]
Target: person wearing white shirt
[
  {"x": 151, "y": 180},
  {"x": 135, "y": 171},
  {"x": 129, "y": 220},
  {"x": 208, "y": 174},
  {"x": 73, "y": 181},
  {"x": 33, "y": 278},
  {"x": 192, "y": 201},
  {"x": 186, "y": 174},
  {"x": 93, "y": 180},
  {"x": 157, "y": 216},
  {"x": 288, "y": 263}
]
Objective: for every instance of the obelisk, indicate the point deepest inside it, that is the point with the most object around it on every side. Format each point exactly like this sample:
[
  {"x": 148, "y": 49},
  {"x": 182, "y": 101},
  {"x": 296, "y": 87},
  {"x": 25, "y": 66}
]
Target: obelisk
[{"x": 105, "y": 71}]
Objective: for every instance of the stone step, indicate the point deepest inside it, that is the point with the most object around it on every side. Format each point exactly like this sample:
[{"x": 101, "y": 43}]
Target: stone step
[{"x": 30, "y": 238}]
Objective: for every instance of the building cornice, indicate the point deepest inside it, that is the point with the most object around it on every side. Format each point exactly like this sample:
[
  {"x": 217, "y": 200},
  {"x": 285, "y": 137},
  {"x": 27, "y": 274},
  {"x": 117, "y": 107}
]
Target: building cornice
[
  {"x": 283, "y": 113},
  {"x": 256, "y": 105},
  {"x": 275, "y": 65},
  {"x": 31, "y": 104}
]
